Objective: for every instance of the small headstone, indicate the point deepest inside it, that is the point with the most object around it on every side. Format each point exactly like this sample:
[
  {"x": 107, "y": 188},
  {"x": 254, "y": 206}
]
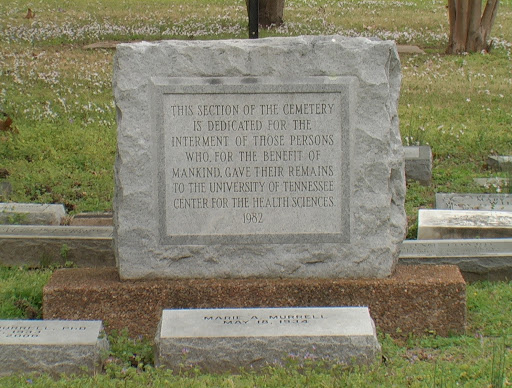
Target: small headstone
[
  {"x": 418, "y": 164},
  {"x": 500, "y": 163},
  {"x": 452, "y": 201},
  {"x": 220, "y": 340},
  {"x": 455, "y": 224},
  {"x": 31, "y": 214},
  {"x": 52, "y": 347}
]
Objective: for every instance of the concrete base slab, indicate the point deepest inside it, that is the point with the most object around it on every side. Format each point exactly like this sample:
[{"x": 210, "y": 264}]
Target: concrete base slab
[
  {"x": 52, "y": 347},
  {"x": 224, "y": 340},
  {"x": 416, "y": 299}
]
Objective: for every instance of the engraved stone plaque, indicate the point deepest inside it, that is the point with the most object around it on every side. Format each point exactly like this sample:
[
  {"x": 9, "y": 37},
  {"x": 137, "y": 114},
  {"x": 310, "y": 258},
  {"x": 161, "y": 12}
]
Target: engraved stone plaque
[
  {"x": 276, "y": 158},
  {"x": 227, "y": 339},
  {"x": 244, "y": 159}
]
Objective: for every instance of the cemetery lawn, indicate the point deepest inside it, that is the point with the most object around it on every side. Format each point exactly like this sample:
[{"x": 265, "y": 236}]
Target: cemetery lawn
[
  {"x": 60, "y": 146},
  {"x": 58, "y": 142},
  {"x": 482, "y": 357}
]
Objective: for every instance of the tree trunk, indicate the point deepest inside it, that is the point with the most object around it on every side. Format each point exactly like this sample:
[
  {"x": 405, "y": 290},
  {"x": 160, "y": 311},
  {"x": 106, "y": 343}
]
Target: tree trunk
[
  {"x": 270, "y": 12},
  {"x": 469, "y": 29}
]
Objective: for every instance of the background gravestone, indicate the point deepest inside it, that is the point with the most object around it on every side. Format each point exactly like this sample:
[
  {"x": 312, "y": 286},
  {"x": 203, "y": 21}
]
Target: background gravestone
[{"x": 279, "y": 157}]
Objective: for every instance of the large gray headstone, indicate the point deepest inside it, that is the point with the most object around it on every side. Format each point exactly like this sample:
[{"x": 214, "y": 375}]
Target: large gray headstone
[
  {"x": 220, "y": 340},
  {"x": 53, "y": 347},
  {"x": 279, "y": 157}
]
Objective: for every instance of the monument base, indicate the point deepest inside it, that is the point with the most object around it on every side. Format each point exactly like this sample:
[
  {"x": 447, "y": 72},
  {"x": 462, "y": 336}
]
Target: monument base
[{"x": 417, "y": 299}]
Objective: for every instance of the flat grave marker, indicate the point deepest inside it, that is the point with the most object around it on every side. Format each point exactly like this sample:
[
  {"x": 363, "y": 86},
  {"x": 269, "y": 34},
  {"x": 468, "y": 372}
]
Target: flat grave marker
[
  {"x": 436, "y": 224},
  {"x": 453, "y": 201},
  {"x": 53, "y": 347},
  {"x": 477, "y": 259},
  {"x": 227, "y": 339},
  {"x": 31, "y": 213}
]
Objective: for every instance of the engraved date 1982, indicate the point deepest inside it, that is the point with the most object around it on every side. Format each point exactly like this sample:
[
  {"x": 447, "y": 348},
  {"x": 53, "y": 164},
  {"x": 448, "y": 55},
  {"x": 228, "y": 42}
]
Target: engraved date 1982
[{"x": 253, "y": 218}]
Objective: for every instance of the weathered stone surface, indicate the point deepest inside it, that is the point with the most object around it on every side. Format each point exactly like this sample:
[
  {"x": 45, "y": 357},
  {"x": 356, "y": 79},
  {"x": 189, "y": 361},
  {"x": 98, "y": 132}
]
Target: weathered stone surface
[
  {"x": 418, "y": 164},
  {"x": 416, "y": 299},
  {"x": 500, "y": 163},
  {"x": 454, "y": 224},
  {"x": 53, "y": 347},
  {"x": 453, "y": 201},
  {"x": 221, "y": 340},
  {"x": 45, "y": 245},
  {"x": 477, "y": 259},
  {"x": 31, "y": 214},
  {"x": 342, "y": 214}
]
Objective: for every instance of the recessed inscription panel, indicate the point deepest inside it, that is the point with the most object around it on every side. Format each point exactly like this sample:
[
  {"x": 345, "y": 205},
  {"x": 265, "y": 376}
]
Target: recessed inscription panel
[{"x": 247, "y": 163}]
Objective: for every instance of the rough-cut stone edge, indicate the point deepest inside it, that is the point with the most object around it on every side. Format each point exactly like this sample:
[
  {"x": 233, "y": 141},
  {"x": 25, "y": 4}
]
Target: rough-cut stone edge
[{"x": 377, "y": 188}]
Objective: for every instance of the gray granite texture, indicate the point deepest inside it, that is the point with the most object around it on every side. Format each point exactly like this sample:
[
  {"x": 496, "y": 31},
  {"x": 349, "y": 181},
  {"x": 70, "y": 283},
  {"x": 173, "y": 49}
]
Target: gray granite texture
[
  {"x": 323, "y": 196},
  {"x": 221, "y": 340},
  {"x": 52, "y": 347}
]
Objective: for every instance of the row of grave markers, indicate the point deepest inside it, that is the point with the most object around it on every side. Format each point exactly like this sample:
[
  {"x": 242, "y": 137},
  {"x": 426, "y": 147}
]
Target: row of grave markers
[{"x": 216, "y": 340}]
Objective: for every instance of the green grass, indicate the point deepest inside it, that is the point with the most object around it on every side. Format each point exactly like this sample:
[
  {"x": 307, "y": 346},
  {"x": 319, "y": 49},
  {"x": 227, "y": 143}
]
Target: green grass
[
  {"x": 61, "y": 146},
  {"x": 482, "y": 357},
  {"x": 21, "y": 293}
]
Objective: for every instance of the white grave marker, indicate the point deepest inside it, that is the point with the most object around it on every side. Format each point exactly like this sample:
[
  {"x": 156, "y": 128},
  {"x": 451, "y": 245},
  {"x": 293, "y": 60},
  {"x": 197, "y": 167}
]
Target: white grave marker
[{"x": 227, "y": 339}]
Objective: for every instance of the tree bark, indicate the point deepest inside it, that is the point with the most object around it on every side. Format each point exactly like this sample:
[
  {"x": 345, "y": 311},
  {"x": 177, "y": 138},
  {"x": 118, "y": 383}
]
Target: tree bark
[
  {"x": 469, "y": 29},
  {"x": 270, "y": 12}
]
